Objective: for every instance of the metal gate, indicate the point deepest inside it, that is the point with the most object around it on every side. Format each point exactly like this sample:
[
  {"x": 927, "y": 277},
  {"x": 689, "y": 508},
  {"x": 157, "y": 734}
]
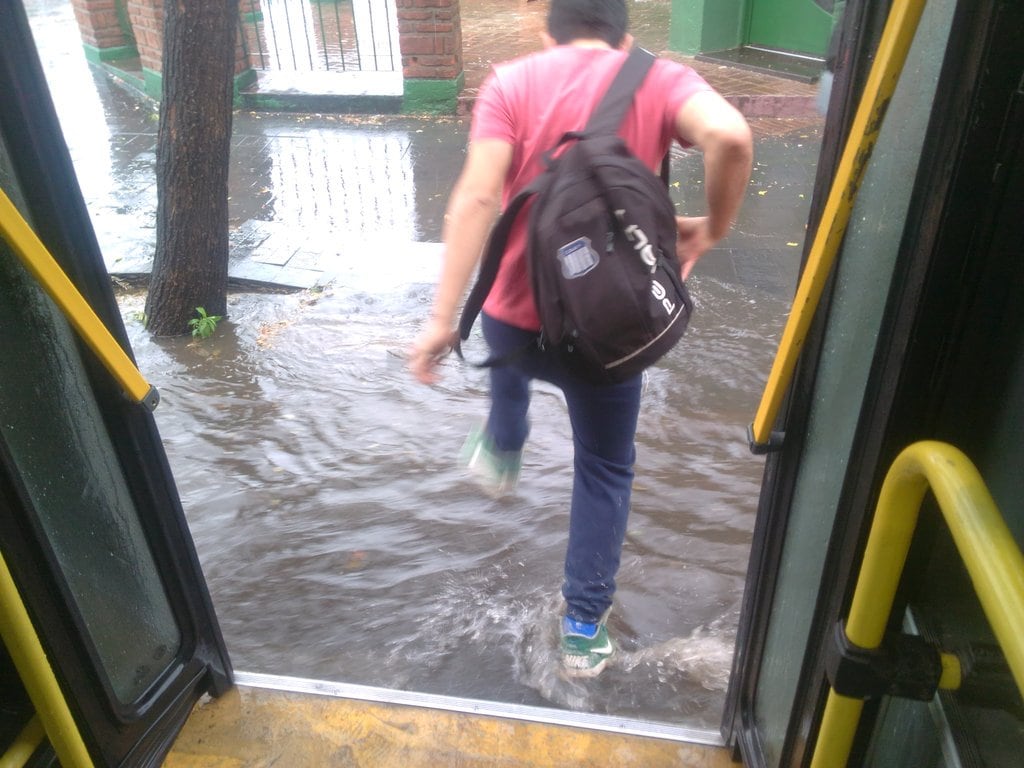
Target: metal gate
[{"x": 308, "y": 45}]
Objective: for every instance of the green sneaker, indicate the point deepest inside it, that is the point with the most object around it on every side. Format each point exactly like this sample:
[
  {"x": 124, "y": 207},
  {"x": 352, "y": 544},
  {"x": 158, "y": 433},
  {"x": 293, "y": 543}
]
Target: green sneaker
[
  {"x": 586, "y": 648},
  {"x": 494, "y": 470}
]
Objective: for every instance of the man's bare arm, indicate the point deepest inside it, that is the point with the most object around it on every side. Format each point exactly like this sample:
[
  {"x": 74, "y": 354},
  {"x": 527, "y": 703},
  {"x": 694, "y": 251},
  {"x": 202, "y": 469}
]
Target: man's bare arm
[
  {"x": 715, "y": 127},
  {"x": 472, "y": 208}
]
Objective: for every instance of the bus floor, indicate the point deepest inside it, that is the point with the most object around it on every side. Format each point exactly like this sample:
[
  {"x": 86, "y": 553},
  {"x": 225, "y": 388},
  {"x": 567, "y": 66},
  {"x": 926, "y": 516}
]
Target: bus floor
[{"x": 257, "y": 727}]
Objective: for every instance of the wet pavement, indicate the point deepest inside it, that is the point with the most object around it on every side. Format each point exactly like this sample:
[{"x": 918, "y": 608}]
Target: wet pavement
[
  {"x": 497, "y": 30},
  {"x": 310, "y": 193}
]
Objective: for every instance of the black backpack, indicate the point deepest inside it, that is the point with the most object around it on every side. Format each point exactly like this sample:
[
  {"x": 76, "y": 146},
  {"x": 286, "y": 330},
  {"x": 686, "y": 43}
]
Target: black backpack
[{"x": 601, "y": 252}]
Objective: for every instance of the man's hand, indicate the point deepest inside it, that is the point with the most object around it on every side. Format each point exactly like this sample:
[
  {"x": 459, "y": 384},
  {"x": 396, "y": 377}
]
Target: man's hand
[
  {"x": 693, "y": 242},
  {"x": 714, "y": 126},
  {"x": 434, "y": 343},
  {"x": 471, "y": 210}
]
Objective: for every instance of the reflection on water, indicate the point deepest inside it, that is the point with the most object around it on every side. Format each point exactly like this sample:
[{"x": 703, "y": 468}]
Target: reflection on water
[{"x": 315, "y": 167}]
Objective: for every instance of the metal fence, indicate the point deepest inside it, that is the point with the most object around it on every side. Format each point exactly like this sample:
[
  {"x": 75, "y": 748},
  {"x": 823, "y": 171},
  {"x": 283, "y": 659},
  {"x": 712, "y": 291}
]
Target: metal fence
[{"x": 321, "y": 35}]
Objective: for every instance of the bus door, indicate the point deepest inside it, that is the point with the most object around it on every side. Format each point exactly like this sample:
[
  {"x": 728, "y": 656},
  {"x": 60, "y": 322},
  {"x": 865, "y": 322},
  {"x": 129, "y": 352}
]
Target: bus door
[
  {"x": 919, "y": 336},
  {"x": 109, "y": 635}
]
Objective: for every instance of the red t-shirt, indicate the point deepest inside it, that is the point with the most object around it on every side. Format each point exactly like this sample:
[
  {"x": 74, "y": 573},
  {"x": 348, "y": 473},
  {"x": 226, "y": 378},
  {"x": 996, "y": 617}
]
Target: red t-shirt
[{"x": 532, "y": 101}]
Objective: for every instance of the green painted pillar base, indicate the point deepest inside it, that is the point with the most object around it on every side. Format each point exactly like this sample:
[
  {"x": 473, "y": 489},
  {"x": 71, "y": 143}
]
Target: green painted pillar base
[
  {"x": 698, "y": 26},
  {"x": 152, "y": 83},
  {"x": 99, "y": 55},
  {"x": 685, "y": 26},
  {"x": 435, "y": 97},
  {"x": 242, "y": 81}
]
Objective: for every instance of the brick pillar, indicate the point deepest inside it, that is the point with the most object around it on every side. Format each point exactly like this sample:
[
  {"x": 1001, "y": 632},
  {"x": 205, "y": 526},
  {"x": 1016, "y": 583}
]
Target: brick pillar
[
  {"x": 251, "y": 12},
  {"x": 430, "y": 38},
  {"x": 245, "y": 72},
  {"x": 147, "y": 17},
  {"x": 430, "y": 34},
  {"x": 242, "y": 63},
  {"x": 147, "y": 20},
  {"x": 106, "y": 33}
]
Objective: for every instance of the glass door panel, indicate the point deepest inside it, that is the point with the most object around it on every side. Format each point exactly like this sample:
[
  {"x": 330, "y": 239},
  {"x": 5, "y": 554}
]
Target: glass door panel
[
  {"x": 54, "y": 435},
  {"x": 862, "y": 282}
]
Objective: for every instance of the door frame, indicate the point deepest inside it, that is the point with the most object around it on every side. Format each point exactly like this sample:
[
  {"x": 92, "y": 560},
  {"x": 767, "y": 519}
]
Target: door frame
[
  {"x": 926, "y": 301},
  {"x": 141, "y": 731}
]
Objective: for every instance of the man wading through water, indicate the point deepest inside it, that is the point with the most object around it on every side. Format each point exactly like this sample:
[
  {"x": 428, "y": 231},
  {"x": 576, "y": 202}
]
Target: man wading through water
[{"x": 523, "y": 109}]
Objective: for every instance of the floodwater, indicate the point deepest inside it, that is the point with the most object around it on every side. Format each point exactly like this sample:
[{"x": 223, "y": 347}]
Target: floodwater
[{"x": 338, "y": 535}]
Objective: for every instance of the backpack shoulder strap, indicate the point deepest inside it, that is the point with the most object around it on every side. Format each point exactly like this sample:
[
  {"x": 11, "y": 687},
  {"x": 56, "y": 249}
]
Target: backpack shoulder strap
[
  {"x": 491, "y": 259},
  {"x": 611, "y": 110}
]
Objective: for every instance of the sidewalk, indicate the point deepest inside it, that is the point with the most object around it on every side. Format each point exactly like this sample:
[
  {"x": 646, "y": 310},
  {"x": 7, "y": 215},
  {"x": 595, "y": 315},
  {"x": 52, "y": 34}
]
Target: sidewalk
[
  {"x": 497, "y": 30},
  {"x": 316, "y": 197}
]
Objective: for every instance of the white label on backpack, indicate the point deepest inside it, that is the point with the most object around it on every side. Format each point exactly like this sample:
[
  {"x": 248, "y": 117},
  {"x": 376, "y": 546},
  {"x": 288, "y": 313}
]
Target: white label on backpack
[
  {"x": 640, "y": 242},
  {"x": 577, "y": 258},
  {"x": 660, "y": 294}
]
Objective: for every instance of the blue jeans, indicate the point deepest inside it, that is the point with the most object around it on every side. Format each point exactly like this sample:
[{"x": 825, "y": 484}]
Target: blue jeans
[{"x": 603, "y": 419}]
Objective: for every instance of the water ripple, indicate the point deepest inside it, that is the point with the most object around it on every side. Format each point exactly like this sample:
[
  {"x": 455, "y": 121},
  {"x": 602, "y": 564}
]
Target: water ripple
[{"x": 322, "y": 489}]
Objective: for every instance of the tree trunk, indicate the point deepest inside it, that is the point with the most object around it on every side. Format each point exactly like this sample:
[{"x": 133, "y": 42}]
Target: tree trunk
[{"x": 190, "y": 267}]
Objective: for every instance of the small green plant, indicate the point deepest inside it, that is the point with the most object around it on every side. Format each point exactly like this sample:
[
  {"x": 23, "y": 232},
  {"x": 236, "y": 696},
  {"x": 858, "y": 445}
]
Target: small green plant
[{"x": 204, "y": 325}]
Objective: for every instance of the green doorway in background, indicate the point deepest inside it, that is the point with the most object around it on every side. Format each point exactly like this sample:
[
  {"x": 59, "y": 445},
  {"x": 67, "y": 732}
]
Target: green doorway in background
[{"x": 796, "y": 26}]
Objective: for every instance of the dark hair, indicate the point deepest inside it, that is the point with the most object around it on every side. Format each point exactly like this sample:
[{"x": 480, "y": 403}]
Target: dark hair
[{"x": 570, "y": 20}]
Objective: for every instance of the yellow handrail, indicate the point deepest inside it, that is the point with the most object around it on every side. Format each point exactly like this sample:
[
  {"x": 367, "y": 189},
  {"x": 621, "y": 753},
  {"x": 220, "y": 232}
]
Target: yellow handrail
[
  {"x": 897, "y": 36},
  {"x": 19, "y": 635},
  {"x": 993, "y": 560},
  {"x": 26, "y": 743},
  {"x": 47, "y": 272}
]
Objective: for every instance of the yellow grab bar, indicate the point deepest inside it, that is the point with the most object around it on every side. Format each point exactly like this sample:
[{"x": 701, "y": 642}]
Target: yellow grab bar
[
  {"x": 27, "y": 742},
  {"x": 897, "y": 36},
  {"x": 993, "y": 560},
  {"x": 47, "y": 272},
  {"x": 19, "y": 635}
]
